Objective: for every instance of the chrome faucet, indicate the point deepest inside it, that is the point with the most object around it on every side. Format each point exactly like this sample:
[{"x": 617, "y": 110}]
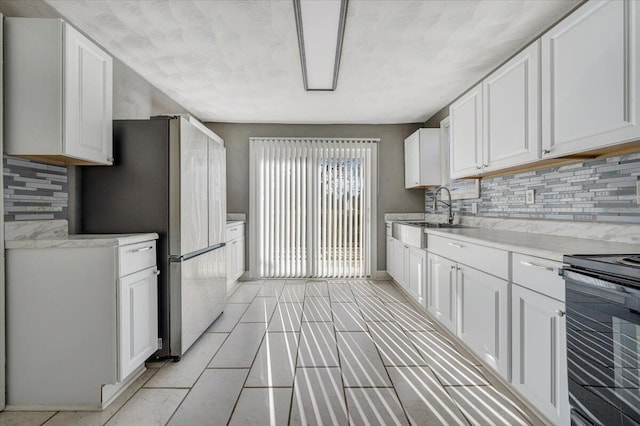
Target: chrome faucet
[{"x": 436, "y": 201}]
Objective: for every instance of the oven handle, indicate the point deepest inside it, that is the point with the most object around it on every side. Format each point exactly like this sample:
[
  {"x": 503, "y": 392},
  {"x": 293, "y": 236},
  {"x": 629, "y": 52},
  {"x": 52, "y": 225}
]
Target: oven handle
[
  {"x": 587, "y": 279},
  {"x": 611, "y": 290}
]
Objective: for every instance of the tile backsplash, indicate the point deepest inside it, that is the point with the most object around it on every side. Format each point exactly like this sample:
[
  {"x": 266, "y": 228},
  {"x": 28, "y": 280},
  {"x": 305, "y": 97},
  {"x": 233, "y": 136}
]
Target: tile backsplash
[
  {"x": 34, "y": 191},
  {"x": 602, "y": 190}
]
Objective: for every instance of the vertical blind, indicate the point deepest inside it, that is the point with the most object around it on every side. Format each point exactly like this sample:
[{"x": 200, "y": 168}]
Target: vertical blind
[{"x": 310, "y": 207}]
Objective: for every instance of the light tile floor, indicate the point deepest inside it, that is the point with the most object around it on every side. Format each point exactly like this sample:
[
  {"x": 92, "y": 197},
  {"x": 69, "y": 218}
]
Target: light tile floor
[{"x": 320, "y": 352}]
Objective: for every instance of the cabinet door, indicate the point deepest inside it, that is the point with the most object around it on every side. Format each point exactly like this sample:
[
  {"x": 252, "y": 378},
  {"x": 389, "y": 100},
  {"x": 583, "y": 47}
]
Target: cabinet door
[
  {"x": 412, "y": 161},
  {"x": 466, "y": 134},
  {"x": 441, "y": 290},
  {"x": 591, "y": 78},
  {"x": 217, "y": 192},
  {"x": 231, "y": 264},
  {"x": 239, "y": 267},
  {"x": 390, "y": 258},
  {"x": 416, "y": 273},
  {"x": 88, "y": 106},
  {"x": 138, "y": 320},
  {"x": 511, "y": 111},
  {"x": 482, "y": 316},
  {"x": 398, "y": 262},
  {"x": 539, "y": 357}
]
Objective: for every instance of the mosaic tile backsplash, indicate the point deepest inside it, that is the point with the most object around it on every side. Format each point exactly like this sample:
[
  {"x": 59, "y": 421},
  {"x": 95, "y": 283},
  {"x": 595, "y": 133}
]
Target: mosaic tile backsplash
[
  {"x": 602, "y": 190},
  {"x": 34, "y": 191}
]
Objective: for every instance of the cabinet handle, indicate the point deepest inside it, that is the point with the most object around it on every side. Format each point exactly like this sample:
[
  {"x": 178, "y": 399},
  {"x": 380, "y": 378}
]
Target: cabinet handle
[
  {"x": 110, "y": 159},
  {"x": 141, "y": 249},
  {"x": 458, "y": 268},
  {"x": 561, "y": 313},
  {"x": 156, "y": 272},
  {"x": 453, "y": 267},
  {"x": 478, "y": 167},
  {"x": 455, "y": 245},
  {"x": 533, "y": 265},
  {"x": 546, "y": 151}
]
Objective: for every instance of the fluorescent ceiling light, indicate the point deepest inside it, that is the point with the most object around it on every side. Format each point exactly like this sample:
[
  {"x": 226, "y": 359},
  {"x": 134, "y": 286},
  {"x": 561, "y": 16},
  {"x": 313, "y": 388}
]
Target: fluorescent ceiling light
[{"x": 320, "y": 25}]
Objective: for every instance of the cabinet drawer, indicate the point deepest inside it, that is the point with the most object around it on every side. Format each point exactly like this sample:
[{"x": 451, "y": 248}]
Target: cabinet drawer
[
  {"x": 538, "y": 274},
  {"x": 136, "y": 257},
  {"x": 235, "y": 231},
  {"x": 486, "y": 259}
]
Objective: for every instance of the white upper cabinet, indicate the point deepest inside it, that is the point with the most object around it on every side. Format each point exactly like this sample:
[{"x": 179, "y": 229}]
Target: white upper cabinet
[
  {"x": 496, "y": 124},
  {"x": 511, "y": 112},
  {"x": 466, "y": 134},
  {"x": 422, "y": 159},
  {"x": 591, "y": 79},
  {"x": 59, "y": 78}
]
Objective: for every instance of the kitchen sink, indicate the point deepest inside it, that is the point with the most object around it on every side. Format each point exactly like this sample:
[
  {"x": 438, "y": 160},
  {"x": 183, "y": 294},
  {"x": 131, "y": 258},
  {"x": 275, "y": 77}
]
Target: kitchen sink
[
  {"x": 435, "y": 225},
  {"x": 412, "y": 233}
]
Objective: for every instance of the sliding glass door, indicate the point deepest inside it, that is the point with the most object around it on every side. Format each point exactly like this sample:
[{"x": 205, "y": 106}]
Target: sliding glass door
[{"x": 310, "y": 206}]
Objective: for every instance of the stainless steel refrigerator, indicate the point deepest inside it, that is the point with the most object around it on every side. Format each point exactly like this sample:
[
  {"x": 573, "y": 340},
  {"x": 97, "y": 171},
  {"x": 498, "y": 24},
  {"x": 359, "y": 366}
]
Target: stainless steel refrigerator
[{"x": 169, "y": 177}]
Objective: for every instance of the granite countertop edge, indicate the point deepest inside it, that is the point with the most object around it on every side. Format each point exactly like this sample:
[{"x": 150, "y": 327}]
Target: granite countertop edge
[
  {"x": 545, "y": 246},
  {"x": 82, "y": 241}
]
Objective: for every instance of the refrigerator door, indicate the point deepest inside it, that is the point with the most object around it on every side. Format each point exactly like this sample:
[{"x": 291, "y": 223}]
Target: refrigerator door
[
  {"x": 194, "y": 216},
  {"x": 217, "y": 193},
  {"x": 198, "y": 294}
]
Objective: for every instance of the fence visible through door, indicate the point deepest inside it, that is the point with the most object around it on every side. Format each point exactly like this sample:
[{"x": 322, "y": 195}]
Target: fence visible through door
[{"x": 310, "y": 206}]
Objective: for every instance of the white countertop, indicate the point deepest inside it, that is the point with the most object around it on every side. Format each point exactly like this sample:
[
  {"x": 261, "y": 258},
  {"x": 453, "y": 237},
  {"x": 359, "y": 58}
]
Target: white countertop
[
  {"x": 81, "y": 240},
  {"x": 542, "y": 245}
]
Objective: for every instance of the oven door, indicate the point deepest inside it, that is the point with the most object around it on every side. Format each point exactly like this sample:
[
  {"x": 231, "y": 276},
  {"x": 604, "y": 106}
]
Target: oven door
[{"x": 603, "y": 348}]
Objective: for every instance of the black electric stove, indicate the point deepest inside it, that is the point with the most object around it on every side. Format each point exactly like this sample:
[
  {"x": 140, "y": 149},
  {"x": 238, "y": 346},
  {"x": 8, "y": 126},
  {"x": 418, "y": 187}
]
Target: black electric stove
[{"x": 603, "y": 338}]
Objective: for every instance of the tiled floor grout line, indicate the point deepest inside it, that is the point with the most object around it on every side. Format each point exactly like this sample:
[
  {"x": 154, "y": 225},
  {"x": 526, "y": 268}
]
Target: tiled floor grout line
[
  {"x": 195, "y": 381},
  {"x": 335, "y": 336},
  {"x": 266, "y": 330},
  {"x": 436, "y": 376},
  {"x": 295, "y": 365},
  {"x": 403, "y": 315},
  {"x": 395, "y": 391}
]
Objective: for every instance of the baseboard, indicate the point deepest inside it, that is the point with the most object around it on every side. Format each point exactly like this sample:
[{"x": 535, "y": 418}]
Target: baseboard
[{"x": 380, "y": 275}]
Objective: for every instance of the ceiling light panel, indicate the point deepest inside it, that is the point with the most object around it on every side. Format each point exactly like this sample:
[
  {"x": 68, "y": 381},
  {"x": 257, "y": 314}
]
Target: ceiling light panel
[{"x": 320, "y": 25}]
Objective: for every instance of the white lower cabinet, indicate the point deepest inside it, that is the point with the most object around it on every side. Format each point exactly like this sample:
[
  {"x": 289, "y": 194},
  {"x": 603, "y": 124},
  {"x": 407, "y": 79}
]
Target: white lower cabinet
[
  {"x": 514, "y": 290},
  {"x": 138, "y": 317},
  {"x": 390, "y": 262},
  {"x": 96, "y": 321},
  {"x": 399, "y": 266},
  {"x": 539, "y": 353},
  {"x": 235, "y": 253},
  {"x": 441, "y": 290},
  {"x": 416, "y": 273},
  {"x": 482, "y": 316},
  {"x": 407, "y": 265}
]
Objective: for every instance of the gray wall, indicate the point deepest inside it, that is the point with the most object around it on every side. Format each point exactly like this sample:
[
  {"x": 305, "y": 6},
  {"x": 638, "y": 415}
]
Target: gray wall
[
  {"x": 133, "y": 96},
  {"x": 392, "y": 197}
]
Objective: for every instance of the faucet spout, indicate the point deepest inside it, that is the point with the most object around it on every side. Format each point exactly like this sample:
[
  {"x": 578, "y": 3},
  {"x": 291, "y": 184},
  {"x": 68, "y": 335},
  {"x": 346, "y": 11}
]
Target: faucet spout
[{"x": 449, "y": 205}]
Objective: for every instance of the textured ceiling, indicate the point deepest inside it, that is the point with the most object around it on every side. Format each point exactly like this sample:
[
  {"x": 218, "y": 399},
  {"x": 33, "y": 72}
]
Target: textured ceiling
[{"x": 238, "y": 61}]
